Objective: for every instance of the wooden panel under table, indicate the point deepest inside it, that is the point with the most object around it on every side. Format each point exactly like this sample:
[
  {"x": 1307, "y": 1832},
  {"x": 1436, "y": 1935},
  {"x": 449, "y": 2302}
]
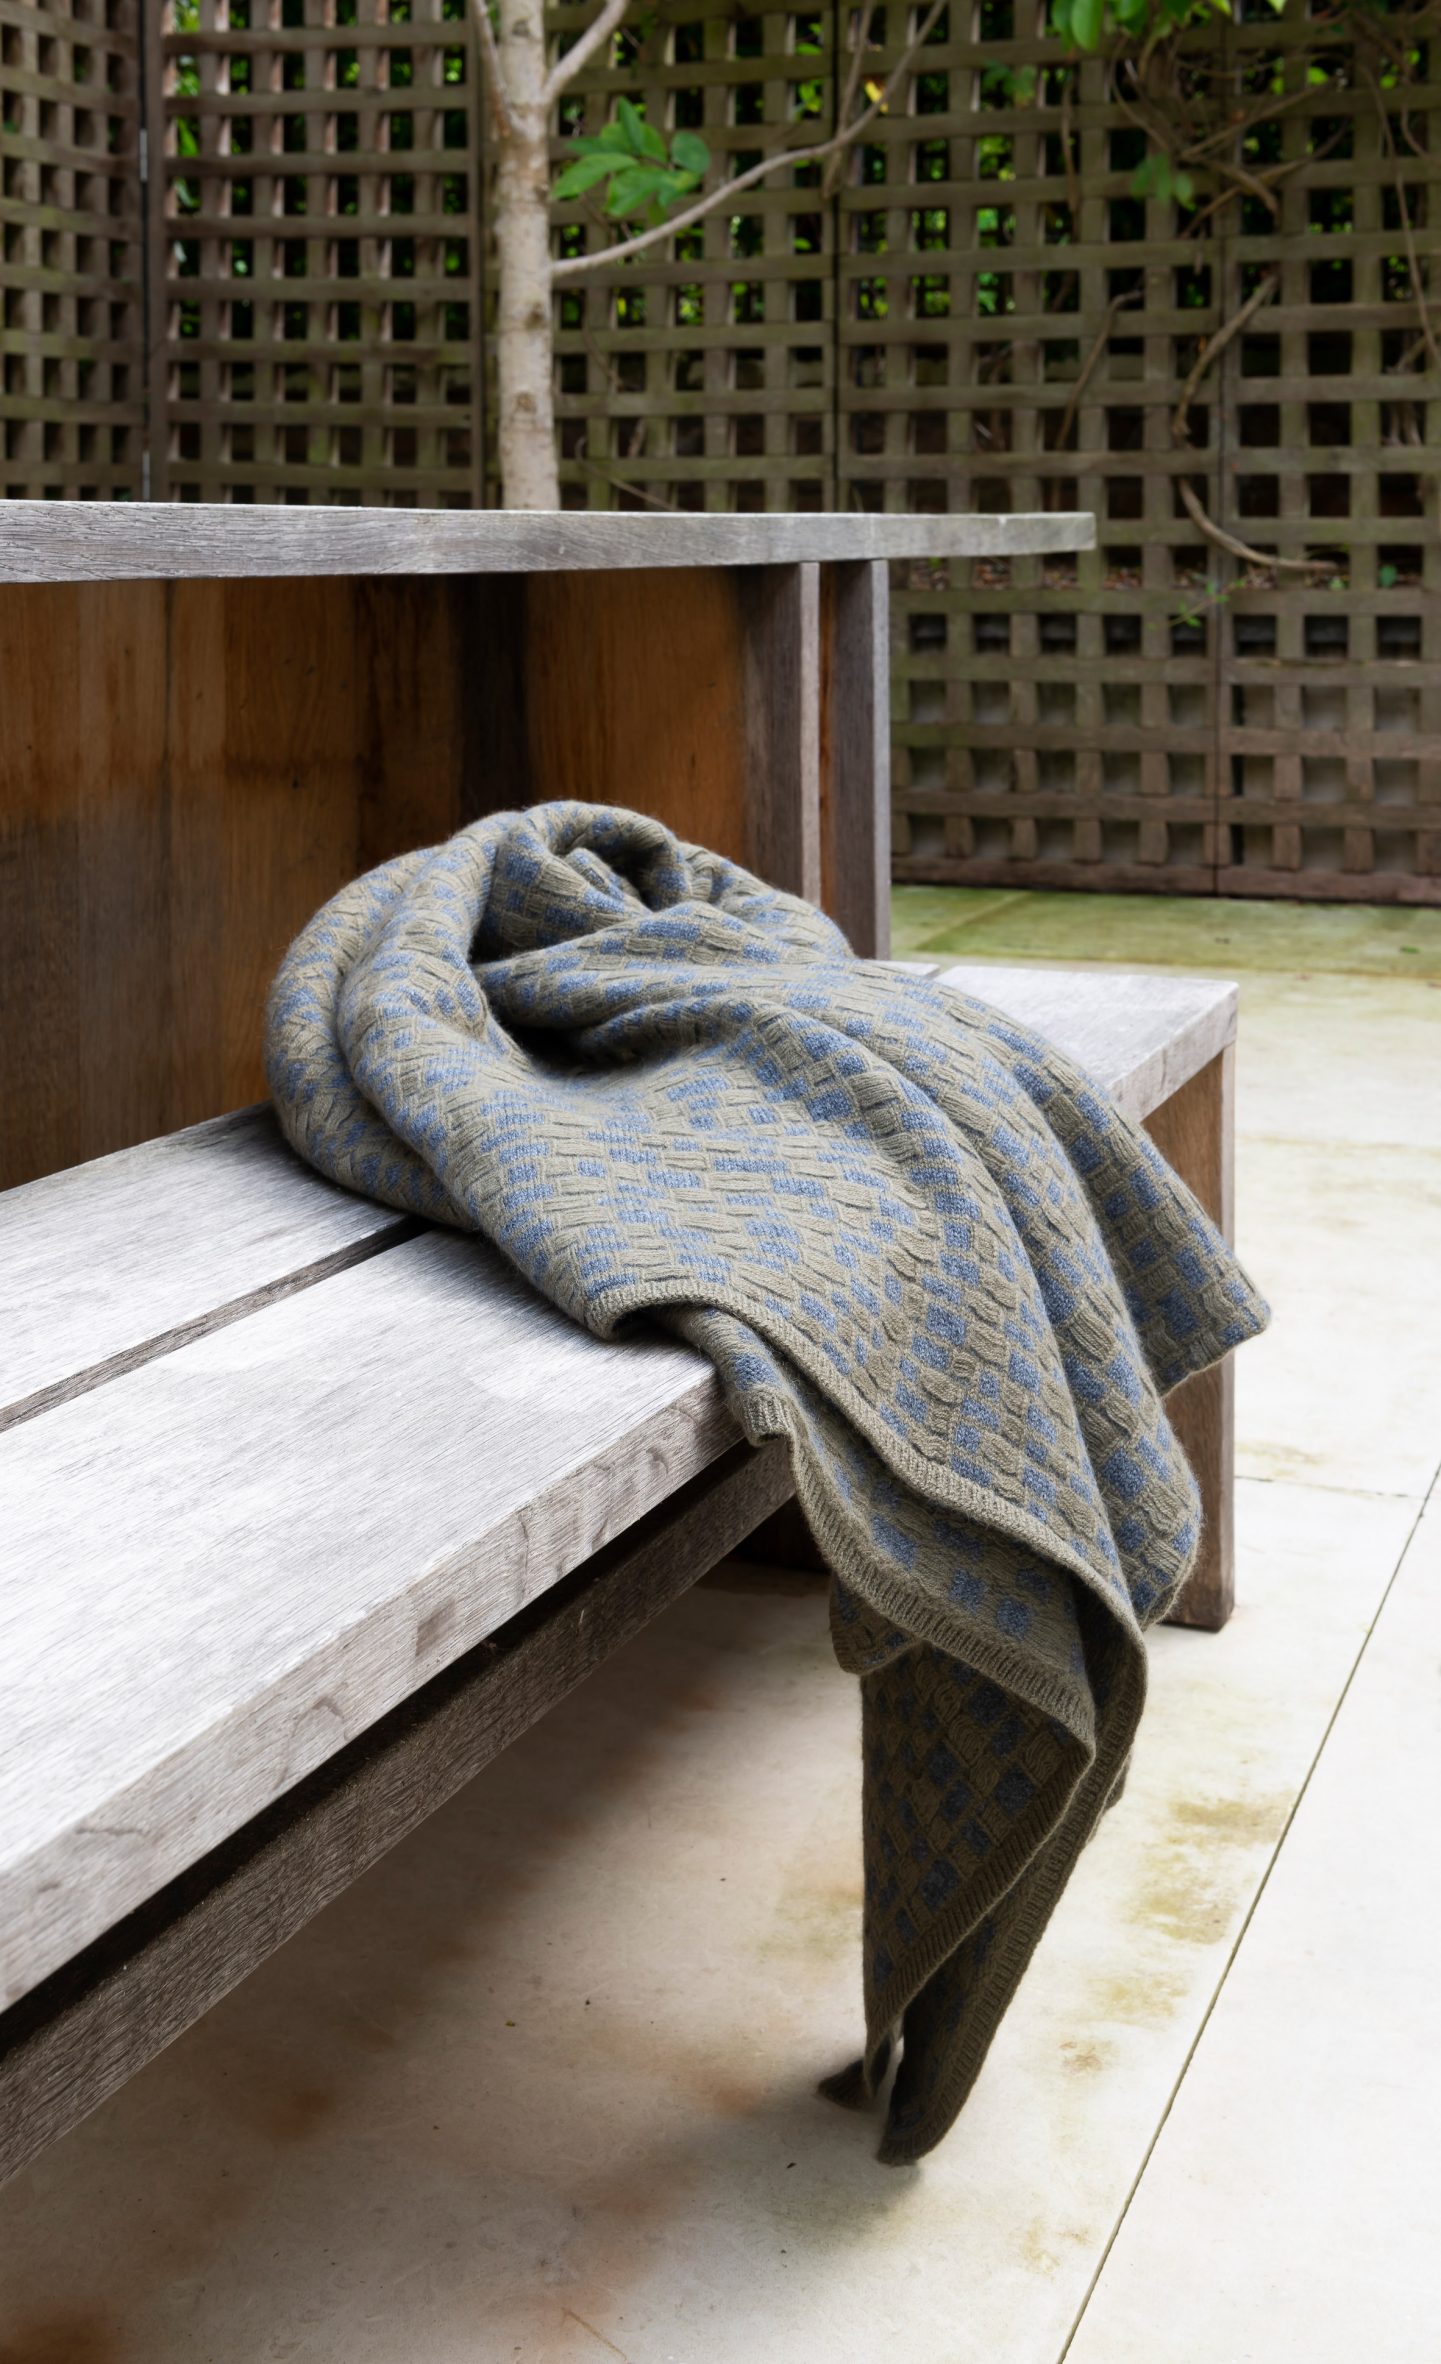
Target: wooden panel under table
[{"x": 189, "y": 769}]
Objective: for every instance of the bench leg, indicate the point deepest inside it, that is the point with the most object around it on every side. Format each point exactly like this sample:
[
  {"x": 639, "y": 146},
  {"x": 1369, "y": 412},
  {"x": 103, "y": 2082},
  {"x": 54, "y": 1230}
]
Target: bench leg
[{"x": 1195, "y": 1133}]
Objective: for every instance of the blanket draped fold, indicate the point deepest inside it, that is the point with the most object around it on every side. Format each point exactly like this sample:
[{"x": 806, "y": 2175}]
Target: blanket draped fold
[{"x": 915, "y": 1242}]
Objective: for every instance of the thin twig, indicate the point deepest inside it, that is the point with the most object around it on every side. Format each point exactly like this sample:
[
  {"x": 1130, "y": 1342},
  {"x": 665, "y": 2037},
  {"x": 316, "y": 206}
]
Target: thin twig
[
  {"x": 572, "y": 266},
  {"x": 1068, "y": 155},
  {"x": 634, "y": 444},
  {"x": 1413, "y": 262},
  {"x": 1209, "y": 354},
  {"x": 1243, "y": 550},
  {"x": 637, "y": 491},
  {"x": 1117, "y": 304},
  {"x": 495, "y": 86},
  {"x": 1212, "y": 350},
  {"x": 595, "y": 36},
  {"x": 831, "y": 174}
]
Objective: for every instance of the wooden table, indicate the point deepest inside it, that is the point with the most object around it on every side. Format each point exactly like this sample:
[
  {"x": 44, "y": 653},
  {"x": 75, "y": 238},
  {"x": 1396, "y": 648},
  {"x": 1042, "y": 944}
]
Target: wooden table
[{"x": 215, "y": 716}]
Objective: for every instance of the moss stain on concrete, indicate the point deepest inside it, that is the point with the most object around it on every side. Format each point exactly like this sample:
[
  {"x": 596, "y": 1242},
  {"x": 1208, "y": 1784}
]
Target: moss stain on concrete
[{"x": 1167, "y": 931}]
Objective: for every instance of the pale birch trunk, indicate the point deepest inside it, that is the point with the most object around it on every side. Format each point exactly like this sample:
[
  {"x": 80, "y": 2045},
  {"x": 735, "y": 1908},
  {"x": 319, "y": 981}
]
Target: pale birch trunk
[
  {"x": 525, "y": 353},
  {"x": 522, "y": 99}
]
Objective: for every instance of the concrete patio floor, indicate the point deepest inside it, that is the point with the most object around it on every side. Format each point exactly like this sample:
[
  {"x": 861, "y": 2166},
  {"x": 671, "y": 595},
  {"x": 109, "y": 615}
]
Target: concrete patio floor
[{"x": 540, "y": 2089}]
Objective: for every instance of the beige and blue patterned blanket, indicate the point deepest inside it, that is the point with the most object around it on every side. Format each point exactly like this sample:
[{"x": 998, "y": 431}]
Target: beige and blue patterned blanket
[{"x": 915, "y": 1242}]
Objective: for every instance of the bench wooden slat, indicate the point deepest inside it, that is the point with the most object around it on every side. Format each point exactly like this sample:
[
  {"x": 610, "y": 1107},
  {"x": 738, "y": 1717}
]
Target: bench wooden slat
[
  {"x": 224, "y": 1565},
  {"x": 78, "y": 2035},
  {"x": 1140, "y": 1034},
  {"x": 108, "y": 541},
  {"x": 108, "y": 1264}
]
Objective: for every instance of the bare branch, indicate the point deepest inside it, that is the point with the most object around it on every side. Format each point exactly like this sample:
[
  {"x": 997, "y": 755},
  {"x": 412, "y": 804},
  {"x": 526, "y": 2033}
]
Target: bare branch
[
  {"x": 1211, "y": 352},
  {"x": 595, "y": 36},
  {"x": 854, "y": 71},
  {"x": 1398, "y": 182},
  {"x": 571, "y": 266},
  {"x": 496, "y": 90},
  {"x": 620, "y": 484},
  {"x": 1243, "y": 550},
  {"x": 1117, "y": 304}
]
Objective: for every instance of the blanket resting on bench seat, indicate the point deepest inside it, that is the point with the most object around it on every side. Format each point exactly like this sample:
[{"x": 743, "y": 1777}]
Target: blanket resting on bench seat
[{"x": 914, "y": 1241}]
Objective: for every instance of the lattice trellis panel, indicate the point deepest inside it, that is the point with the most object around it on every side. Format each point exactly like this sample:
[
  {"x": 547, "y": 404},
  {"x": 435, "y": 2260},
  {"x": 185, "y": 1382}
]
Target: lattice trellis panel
[
  {"x": 1016, "y": 325},
  {"x": 71, "y": 325},
  {"x": 704, "y": 378},
  {"x": 316, "y": 261},
  {"x": 1016, "y": 328},
  {"x": 1329, "y": 704}
]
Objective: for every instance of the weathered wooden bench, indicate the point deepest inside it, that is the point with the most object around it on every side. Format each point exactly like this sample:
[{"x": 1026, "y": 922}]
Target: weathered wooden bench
[{"x": 309, "y": 1510}]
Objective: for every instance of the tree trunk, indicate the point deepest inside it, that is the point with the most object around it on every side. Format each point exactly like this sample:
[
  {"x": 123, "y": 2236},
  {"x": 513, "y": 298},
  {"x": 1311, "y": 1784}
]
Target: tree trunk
[{"x": 524, "y": 338}]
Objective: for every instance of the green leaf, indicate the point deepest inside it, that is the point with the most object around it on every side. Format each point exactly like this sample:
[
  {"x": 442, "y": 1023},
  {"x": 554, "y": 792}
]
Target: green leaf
[
  {"x": 1184, "y": 187},
  {"x": 1087, "y": 21},
  {"x": 1387, "y": 577},
  {"x": 633, "y": 187},
  {"x": 689, "y": 153},
  {"x": 643, "y": 139},
  {"x": 614, "y": 138},
  {"x": 583, "y": 174}
]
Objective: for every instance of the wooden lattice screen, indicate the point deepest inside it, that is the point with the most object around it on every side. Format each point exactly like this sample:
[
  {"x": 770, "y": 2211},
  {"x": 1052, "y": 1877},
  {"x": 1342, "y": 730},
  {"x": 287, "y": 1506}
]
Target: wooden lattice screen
[
  {"x": 71, "y": 290},
  {"x": 316, "y": 253},
  {"x": 981, "y": 314},
  {"x": 1159, "y": 713}
]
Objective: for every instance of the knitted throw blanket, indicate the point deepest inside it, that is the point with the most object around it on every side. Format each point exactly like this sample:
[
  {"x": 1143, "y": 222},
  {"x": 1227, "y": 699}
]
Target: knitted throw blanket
[{"x": 914, "y": 1241}]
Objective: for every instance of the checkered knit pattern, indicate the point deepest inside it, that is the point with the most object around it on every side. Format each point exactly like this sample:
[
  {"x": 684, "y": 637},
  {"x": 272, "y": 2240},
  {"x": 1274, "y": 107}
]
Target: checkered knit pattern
[{"x": 914, "y": 1241}]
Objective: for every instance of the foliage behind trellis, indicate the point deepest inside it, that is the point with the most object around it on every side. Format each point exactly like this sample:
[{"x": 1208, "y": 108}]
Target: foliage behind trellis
[{"x": 982, "y": 315}]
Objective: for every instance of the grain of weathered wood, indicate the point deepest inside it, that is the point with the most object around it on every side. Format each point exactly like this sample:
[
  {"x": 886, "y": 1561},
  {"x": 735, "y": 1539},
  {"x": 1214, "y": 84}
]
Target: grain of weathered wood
[
  {"x": 82, "y": 847},
  {"x": 105, "y": 1265},
  {"x": 780, "y": 612},
  {"x": 186, "y": 771},
  {"x": 855, "y": 772},
  {"x": 71, "y": 2041},
  {"x": 224, "y": 1564},
  {"x": 1194, "y": 1129},
  {"x": 92, "y": 542},
  {"x": 635, "y": 690}
]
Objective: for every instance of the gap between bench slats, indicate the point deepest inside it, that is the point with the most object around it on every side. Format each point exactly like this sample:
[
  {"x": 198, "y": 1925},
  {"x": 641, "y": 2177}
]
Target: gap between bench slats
[{"x": 106, "y": 1266}]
